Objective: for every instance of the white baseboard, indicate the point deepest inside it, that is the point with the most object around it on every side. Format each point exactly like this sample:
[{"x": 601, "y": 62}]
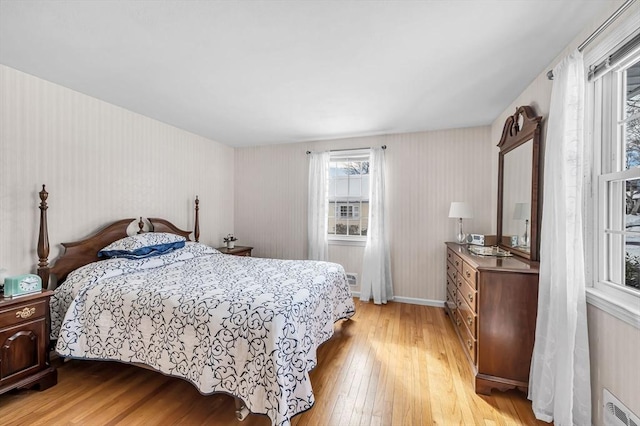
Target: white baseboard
[
  {"x": 416, "y": 301},
  {"x": 411, "y": 300}
]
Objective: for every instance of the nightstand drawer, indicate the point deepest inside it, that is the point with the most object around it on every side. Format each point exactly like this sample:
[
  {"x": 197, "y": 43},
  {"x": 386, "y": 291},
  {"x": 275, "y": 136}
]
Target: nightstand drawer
[
  {"x": 22, "y": 312},
  {"x": 22, "y": 350},
  {"x": 24, "y": 343}
]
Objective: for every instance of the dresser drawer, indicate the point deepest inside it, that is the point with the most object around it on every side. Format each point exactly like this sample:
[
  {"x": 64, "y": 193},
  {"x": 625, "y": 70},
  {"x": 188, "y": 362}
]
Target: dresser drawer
[
  {"x": 469, "y": 274},
  {"x": 22, "y": 312},
  {"x": 469, "y": 318},
  {"x": 451, "y": 291},
  {"x": 452, "y": 272},
  {"x": 468, "y": 341},
  {"x": 455, "y": 260},
  {"x": 451, "y": 286},
  {"x": 469, "y": 294},
  {"x": 451, "y": 301}
]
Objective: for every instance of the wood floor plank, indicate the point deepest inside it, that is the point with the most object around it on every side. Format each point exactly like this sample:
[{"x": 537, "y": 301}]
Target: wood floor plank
[{"x": 392, "y": 364}]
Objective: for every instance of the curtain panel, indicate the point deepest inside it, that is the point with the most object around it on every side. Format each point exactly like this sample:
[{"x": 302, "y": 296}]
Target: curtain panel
[
  {"x": 376, "y": 281},
  {"x": 559, "y": 383},
  {"x": 318, "y": 206}
]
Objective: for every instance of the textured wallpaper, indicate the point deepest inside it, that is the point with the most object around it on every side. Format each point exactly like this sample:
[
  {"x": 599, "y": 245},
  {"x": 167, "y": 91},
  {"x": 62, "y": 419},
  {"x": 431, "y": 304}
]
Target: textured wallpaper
[
  {"x": 425, "y": 172},
  {"x": 100, "y": 163}
]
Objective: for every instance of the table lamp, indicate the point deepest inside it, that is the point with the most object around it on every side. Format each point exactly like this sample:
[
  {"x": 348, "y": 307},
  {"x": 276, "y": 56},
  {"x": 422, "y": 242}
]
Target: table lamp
[{"x": 461, "y": 210}]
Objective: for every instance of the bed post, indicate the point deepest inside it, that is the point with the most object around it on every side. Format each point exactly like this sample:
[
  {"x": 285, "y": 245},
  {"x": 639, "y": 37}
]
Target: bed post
[
  {"x": 43, "y": 240},
  {"x": 196, "y": 232},
  {"x": 140, "y": 226}
]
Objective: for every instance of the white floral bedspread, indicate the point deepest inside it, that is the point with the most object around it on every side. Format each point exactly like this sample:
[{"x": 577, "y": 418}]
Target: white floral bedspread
[{"x": 246, "y": 326}]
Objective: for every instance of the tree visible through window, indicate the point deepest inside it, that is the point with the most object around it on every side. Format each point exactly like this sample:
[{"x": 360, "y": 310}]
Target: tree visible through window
[
  {"x": 631, "y": 136},
  {"x": 619, "y": 180},
  {"x": 349, "y": 193}
]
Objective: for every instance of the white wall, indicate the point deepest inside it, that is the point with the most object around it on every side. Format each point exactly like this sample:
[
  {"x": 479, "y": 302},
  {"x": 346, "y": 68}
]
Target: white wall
[
  {"x": 100, "y": 163},
  {"x": 614, "y": 345},
  {"x": 425, "y": 172}
]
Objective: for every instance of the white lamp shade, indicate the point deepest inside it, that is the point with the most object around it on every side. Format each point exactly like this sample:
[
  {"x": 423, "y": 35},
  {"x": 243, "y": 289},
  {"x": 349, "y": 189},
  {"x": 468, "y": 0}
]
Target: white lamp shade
[
  {"x": 522, "y": 211},
  {"x": 460, "y": 209}
]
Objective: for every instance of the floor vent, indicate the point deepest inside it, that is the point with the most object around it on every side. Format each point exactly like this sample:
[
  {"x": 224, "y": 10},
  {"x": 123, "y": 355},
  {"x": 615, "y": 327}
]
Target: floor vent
[
  {"x": 352, "y": 279},
  {"x": 615, "y": 413}
]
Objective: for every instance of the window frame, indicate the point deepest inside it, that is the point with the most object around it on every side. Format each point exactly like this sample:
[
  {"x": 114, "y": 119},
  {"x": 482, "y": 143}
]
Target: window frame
[
  {"x": 605, "y": 111},
  {"x": 350, "y": 240}
]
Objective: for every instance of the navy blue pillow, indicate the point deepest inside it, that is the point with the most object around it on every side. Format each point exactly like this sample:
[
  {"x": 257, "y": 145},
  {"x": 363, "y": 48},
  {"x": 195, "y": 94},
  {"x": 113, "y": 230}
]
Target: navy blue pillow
[{"x": 143, "y": 245}]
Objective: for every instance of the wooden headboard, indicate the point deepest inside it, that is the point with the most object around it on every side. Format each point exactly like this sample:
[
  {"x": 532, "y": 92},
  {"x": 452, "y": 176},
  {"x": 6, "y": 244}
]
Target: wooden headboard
[{"x": 83, "y": 252}]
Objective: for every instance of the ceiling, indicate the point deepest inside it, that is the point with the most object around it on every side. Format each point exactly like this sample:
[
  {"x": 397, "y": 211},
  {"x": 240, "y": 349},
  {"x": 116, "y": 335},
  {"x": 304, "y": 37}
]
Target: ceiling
[{"x": 248, "y": 73}]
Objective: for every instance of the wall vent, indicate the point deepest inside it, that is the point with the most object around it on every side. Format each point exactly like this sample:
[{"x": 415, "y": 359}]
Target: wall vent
[
  {"x": 615, "y": 413},
  {"x": 352, "y": 279}
]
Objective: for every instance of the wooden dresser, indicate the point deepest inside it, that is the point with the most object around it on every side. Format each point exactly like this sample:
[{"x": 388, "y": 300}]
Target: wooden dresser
[
  {"x": 493, "y": 302},
  {"x": 24, "y": 343}
]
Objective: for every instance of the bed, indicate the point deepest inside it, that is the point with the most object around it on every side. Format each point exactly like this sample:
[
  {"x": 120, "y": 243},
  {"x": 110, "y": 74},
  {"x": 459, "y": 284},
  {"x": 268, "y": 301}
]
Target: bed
[{"x": 244, "y": 326}]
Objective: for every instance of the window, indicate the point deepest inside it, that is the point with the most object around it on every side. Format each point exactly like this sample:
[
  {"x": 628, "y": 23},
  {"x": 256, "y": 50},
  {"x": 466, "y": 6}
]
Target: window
[
  {"x": 616, "y": 136},
  {"x": 348, "y": 195},
  {"x": 349, "y": 211}
]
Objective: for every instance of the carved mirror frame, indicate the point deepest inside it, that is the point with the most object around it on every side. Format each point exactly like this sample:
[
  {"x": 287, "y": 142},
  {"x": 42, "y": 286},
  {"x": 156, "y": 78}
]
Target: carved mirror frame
[{"x": 519, "y": 129}]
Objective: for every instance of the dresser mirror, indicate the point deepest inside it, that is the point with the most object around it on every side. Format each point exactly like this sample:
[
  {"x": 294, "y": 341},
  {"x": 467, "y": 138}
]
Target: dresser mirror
[{"x": 518, "y": 184}]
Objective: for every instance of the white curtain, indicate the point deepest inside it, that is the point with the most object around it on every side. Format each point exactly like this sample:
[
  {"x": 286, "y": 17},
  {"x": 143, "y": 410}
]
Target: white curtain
[
  {"x": 318, "y": 206},
  {"x": 559, "y": 384},
  {"x": 376, "y": 268}
]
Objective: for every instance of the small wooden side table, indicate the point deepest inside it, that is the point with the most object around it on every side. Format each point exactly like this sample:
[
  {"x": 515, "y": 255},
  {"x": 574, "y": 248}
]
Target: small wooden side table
[
  {"x": 236, "y": 251},
  {"x": 24, "y": 343}
]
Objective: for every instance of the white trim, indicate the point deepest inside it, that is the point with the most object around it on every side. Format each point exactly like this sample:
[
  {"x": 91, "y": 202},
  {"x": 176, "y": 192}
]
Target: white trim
[
  {"x": 416, "y": 301},
  {"x": 620, "y": 309},
  {"x": 351, "y": 154},
  {"x": 347, "y": 241},
  {"x": 410, "y": 300},
  {"x": 605, "y": 110}
]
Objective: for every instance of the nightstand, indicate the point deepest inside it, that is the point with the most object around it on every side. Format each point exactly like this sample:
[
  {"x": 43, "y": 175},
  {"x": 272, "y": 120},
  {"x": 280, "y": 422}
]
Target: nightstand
[
  {"x": 236, "y": 251},
  {"x": 24, "y": 343}
]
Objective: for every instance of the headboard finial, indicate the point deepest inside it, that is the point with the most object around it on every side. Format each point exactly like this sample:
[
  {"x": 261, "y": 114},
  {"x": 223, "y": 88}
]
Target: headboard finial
[
  {"x": 140, "y": 225},
  {"x": 196, "y": 231},
  {"x": 43, "y": 239}
]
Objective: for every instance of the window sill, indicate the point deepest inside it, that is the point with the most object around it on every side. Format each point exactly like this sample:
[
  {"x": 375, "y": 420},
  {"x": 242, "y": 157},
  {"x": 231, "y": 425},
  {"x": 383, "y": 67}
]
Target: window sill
[
  {"x": 345, "y": 241},
  {"x": 624, "y": 311}
]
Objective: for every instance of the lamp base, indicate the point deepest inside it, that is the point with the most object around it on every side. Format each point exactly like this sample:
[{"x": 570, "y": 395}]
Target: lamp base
[{"x": 461, "y": 237}]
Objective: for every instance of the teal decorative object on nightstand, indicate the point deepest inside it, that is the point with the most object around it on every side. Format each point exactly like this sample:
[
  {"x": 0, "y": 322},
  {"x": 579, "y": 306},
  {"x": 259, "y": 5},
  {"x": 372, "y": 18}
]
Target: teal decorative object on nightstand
[{"x": 21, "y": 285}]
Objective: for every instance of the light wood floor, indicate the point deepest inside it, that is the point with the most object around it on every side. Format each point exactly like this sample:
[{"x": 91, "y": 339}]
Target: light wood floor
[{"x": 397, "y": 364}]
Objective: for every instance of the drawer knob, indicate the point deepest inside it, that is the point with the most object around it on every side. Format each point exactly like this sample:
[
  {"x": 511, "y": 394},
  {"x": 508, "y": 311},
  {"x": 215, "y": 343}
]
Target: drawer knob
[
  {"x": 468, "y": 274},
  {"x": 25, "y": 313},
  {"x": 469, "y": 344},
  {"x": 470, "y": 321},
  {"x": 457, "y": 322},
  {"x": 470, "y": 297}
]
